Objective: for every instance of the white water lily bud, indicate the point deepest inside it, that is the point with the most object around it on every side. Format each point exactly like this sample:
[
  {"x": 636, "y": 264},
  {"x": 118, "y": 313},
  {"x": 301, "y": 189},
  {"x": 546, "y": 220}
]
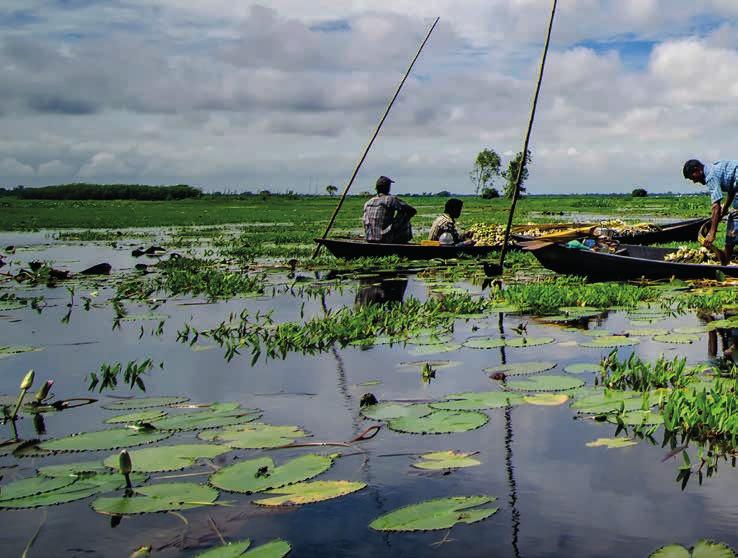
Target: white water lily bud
[
  {"x": 124, "y": 462},
  {"x": 27, "y": 380}
]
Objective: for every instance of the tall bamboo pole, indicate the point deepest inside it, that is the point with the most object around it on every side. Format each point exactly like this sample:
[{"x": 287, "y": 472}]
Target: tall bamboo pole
[
  {"x": 374, "y": 136},
  {"x": 524, "y": 159}
]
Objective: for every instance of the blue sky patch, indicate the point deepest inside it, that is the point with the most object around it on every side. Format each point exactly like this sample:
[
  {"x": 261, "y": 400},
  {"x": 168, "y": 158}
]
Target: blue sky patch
[{"x": 634, "y": 53}]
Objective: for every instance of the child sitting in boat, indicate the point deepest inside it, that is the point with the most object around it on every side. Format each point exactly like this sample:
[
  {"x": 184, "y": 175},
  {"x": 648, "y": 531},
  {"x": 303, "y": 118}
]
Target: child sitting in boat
[
  {"x": 444, "y": 228},
  {"x": 386, "y": 217}
]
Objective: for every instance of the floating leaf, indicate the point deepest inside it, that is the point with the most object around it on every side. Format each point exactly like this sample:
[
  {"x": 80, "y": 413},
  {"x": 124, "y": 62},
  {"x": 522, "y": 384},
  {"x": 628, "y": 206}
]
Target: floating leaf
[
  {"x": 546, "y": 383},
  {"x": 143, "y": 416},
  {"x": 484, "y": 343},
  {"x": 442, "y": 513},
  {"x": 681, "y": 338},
  {"x": 607, "y": 401},
  {"x": 231, "y": 550},
  {"x": 158, "y": 498},
  {"x": 309, "y": 492},
  {"x": 6, "y": 305},
  {"x": 144, "y": 403},
  {"x": 256, "y": 475},
  {"x": 703, "y": 549},
  {"x": 32, "y": 486},
  {"x": 521, "y": 342},
  {"x": 547, "y": 399},
  {"x": 696, "y": 330},
  {"x": 217, "y": 415},
  {"x": 445, "y": 460},
  {"x": 521, "y": 368},
  {"x": 384, "y": 411},
  {"x": 7, "y": 351},
  {"x": 478, "y": 400},
  {"x": 432, "y": 363},
  {"x": 611, "y": 341},
  {"x": 582, "y": 368},
  {"x": 277, "y": 548},
  {"x": 647, "y": 331},
  {"x": 434, "y": 349},
  {"x": 639, "y": 418},
  {"x": 254, "y": 436},
  {"x": 612, "y": 443},
  {"x": 104, "y": 440},
  {"x": 440, "y": 422},
  {"x": 72, "y": 469},
  {"x": 168, "y": 458},
  {"x": 594, "y": 332}
]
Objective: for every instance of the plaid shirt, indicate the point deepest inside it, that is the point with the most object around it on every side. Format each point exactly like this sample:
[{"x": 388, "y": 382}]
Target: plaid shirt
[
  {"x": 380, "y": 212},
  {"x": 444, "y": 224},
  {"x": 721, "y": 177}
]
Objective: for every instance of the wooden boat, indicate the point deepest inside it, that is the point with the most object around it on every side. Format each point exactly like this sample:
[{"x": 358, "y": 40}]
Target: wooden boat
[
  {"x": 348, "y": 248},
  {"x": 629, "y": 262},
  {"x": 681, "y": 231}
]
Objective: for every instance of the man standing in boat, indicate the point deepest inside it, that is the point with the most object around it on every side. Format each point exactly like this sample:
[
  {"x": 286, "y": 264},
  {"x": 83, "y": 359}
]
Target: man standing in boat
[
  {"x": 386, "y": 217},
  {"x": 720, "y": 178},
  {"x": 446, "y": 224}
]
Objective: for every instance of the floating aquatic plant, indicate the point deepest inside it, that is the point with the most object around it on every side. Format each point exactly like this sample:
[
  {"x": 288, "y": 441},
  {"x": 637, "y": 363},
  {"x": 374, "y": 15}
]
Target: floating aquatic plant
[
  {"x": 157, "y": 498},
  {"x": 167, "y": 458},
  {"x": 546, "y": 383},
  {"x": 439, "y": 460},
  {"x": 254, "y": 436},
  {"x": 277, "y": 548},
  {"x": 442, "y": 513},
  {"x": 257, "y": 475},
  {"x": 440, "y": 422},
  {"x": 309, "y": 492},
  {"x": 639, "y": 375}
]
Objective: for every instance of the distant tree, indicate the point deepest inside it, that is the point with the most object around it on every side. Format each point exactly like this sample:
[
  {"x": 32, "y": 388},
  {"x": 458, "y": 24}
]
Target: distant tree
[
  {"x": 365, "y": 193},
  {"x": 444, "y": 194},
  {"x": 486, "y": 167},
  {"x": 490, "y": 193},
  {"x": 639, "y": 193},
  {"x": 511, "y": 174},
  {"x": 331, "y": 189}
]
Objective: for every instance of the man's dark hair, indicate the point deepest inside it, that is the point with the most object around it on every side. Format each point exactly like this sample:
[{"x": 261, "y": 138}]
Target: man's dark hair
[
  {"x": 383, "y": 188},
  {"x": 691, "y": 166},
  {"x": 453, "y": 206}
]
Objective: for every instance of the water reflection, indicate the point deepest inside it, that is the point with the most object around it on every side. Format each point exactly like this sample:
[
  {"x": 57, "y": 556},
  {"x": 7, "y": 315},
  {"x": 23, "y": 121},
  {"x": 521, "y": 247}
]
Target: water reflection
[{"x": 380, "y": 290}]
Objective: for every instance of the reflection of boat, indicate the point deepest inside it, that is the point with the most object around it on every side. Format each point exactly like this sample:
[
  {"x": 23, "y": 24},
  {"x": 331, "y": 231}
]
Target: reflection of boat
[
  {"x": 379, "y": 291},
  {"x": 672, "y": 232},
  {"x": 353, "y": 248},
  {"x": 629, "y": 262}
]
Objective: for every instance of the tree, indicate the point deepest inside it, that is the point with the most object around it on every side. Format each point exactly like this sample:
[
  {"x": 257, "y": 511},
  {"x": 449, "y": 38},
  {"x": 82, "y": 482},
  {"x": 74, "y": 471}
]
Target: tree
[
  {"x": 511, "y": 174},
  {"x": 486, "y": 168},
  {"x": 331, "y": 189},
  {"x": 444, "y": 194},
  {"x": 490, "y": 193},
  {"x": 639, "y": 193}
]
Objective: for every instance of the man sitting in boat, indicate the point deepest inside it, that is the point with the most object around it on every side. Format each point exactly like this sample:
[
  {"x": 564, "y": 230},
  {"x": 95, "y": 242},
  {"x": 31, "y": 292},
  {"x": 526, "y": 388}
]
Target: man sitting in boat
[
  {"x": 719, "y": 178},
  {"x": 386, "y": 217},
  {"x": 446, "y": 224}
]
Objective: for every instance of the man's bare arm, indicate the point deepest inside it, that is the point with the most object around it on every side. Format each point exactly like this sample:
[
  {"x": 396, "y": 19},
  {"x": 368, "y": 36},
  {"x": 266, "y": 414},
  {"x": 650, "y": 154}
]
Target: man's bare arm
[{"x": 717, "y": 213}]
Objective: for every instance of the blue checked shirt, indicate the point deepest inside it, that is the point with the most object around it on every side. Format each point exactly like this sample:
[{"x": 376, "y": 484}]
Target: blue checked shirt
[{"x": 721, "y": 177}]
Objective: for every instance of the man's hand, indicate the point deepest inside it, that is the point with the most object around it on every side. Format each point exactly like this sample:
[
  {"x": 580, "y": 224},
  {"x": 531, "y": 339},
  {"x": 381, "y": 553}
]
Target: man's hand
[{"x": 709, "y": 239}]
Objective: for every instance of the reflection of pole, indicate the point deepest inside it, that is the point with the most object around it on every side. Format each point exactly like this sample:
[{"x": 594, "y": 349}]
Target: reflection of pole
[
  {"x": 501, "y": 328},
  {"x": 513, "y": 498}
]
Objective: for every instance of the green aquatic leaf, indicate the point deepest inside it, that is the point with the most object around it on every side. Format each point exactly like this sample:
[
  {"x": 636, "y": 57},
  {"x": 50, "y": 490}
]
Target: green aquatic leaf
[
  {"x": 158, "y": 498},
  {"x": 522, "y": 342},
  {"x": 6, "y": 305},
  {"x": 647, "y": 332},
  {"x": 309, "y": 492},
  {"x": 607, "y": 401},
  {"x": 72, "y": 469},
  {"x": 230, "y": 550},
  {"x": 6, "y": 351},
  {"x": 254, "y": 436},
  {"x": 594, "y": 332},
  {"x": 32, "y": 486},
  {"x": 144, "y": 403},
  {"x": 384, "y": 411},
  {"x": 639, "y": 418},
  {"x": 546, "y": 399},
  {"x": 257, "y": 475},
  {"x": 445, "y": 460},
  {"x": 440, "y": 422},
  {"x": 546, "y": 383},
  {"x": 611, "y": 341},
  {"x": 484, "y": 342},
  {"x": 419, "y": 350},
  {"x": 521, "y": 368},
  {"x": 695, "y": 330},
  {"x": 612, "y": 443},
  {"x": 142, "y": 416},
  {"x": 582, "y": 368},
  {"x": 168, "y": 458},
  {"x": 104, "y": 440},
  {"x": 442, "y": 513},
  {"x": 432, "y": 363},
  {"x": 217, "y": 415},
  {"x": 680, "y": 338},
  {"x": 478, "y": 400},
  {"x": 703, "y": 549},
  {"x": 277, "y": 548}
]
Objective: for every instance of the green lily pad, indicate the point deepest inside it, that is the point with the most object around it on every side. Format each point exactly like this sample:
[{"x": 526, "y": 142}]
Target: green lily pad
[
  {"x": 594, "y": 332},
  {"x": 419, "y": 350},
  {"x": 384, "y": 411},
  {"x": 6, "y": 351},
  {"x": 142, "y": 416},
  {"x": 521, "y": 368},
  {"x": 168, "y": 458},
  {"x": 695, "y": 330},
  {"x": 144, "y": 403},
  {"x": 257, "y": 475},
  {"x": 430, "y": 339},
  {"x": 612, "y": 443},
  {"x": 442, "y": 513},
  {"x": 32, "y": 486},
  {"x": 730, "y": 323},
  {"x": 484, "y": 343},
  {"x": 440, "y": 422},
  {"x": 217, "y": 415},
  {"x": 72, "y": 469},
  {"x": 105, "y": 440},
  {"x": 277, "y": 548},
  {"x": 445, "y": 460},
  {"x": 504, "y": 308},
  {"x": 639, "y": 418},
  {"x": 703, "y": 549},
  {"x": 582, "y": 368},
  {"x": 6, "y": 305},
  {"x": 521, "y": 342},
  {"x": 309, "y": 492},
  {"x": 432, "y": 363},
  {"x": 158, "y": 498},
  {"x": 478, "y": 400},
  {"x": 607, "y": 401},
  {"x": 546, "y": 383},
  {"x": 546, "y": 399},
  {"x": 611, "y": 341},
  {"x": 680, "y": 338},
  {"x": 646, "y": 332},
  {"x": 254, "y": 436}
]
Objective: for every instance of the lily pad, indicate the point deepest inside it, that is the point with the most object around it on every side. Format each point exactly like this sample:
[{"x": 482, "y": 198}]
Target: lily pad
[
  {"x": 611, "y": 341},
  {"x": 478, "y": 400},
  {"x": 521, "y": 342},
  {"x": 484, "y": 343},
  {"x": 695, "y": 330},
  {"x": 32, "y": 486},
  {"x": 432, "y": 363},
  {"x": 546, "y": 399},
  {"x": 639, "y": 418},
  {"x": 680, "y": 338},
  {"x": 521, "y": 368},
  {"x": 105, "y": 440},
  {"x": 646, "y": 332},
  {"x": 309, "y": 492},
  {"x": 440, "y": 422},
  {"x": 6, "y": 351},
  {"x": 612, "y": 443},
  {"x": 384, "y": 411},
  {"x": 168, "y": 458},
  {"x": 254, "y": 436},
  {"x": 144, "y": 403},
  {"x": 217, "y": 415},
  {"x": 703, "y": 549},
  {"x": 419, "y": 350},
  {"x": 72, "y": 469},
  {"x": 445, "y": 460},
  {"x": 158, "y": 498},
  {"x": 594, "y": 332},
  {"x": 546, "y": 383},
  {"x": 607, "y": 401},
  {"x": 277, "y": 548},
  {"x": 6, "y": 305},
  {"x": 142, "y": 416},
  {"x": 257, "y": 475},
  {"x": 442, "y": 513},
  {"x": 582, "y": 368}
]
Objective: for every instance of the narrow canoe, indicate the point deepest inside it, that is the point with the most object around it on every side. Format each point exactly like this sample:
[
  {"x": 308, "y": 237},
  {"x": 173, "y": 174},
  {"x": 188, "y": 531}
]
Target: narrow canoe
[
  {"x": 631, "y": 262},
  {"x": 352, "y": 248},
  {"x": 682, "y": 231}
]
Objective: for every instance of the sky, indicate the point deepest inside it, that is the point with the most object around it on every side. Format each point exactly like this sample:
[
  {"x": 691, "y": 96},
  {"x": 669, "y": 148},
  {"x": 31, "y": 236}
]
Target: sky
[{"x": 285, "y": 94}]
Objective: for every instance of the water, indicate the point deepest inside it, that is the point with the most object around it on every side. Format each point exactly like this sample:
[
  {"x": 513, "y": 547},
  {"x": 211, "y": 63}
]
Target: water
[{"x": 556, "y": 496}]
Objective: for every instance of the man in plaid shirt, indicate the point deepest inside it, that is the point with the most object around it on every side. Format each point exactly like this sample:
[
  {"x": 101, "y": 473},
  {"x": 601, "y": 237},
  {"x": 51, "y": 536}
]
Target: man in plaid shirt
[{"x": 387, "y": 218}]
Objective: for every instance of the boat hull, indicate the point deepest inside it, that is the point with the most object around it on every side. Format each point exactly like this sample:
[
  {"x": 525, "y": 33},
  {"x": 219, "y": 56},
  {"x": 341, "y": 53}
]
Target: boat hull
[{"x": 350, "y": 249}]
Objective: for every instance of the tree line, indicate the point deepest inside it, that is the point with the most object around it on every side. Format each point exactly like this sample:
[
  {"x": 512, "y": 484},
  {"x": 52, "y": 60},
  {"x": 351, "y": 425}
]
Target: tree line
[{"x": 83, "y": 191}]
